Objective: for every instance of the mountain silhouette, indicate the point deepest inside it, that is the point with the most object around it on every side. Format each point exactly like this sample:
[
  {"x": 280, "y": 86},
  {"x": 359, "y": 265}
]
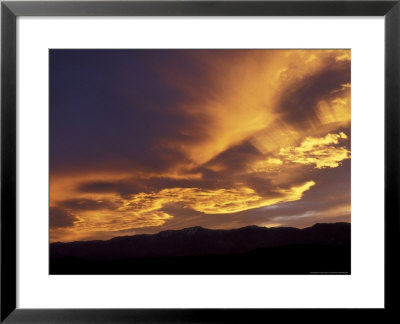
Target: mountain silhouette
[{"x": 320, "y": 244}]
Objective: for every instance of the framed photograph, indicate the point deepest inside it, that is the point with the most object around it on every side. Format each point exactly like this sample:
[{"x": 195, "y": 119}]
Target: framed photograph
[
  {"x": 202, "y": 178},
  {"x": 198, "y": 161}
]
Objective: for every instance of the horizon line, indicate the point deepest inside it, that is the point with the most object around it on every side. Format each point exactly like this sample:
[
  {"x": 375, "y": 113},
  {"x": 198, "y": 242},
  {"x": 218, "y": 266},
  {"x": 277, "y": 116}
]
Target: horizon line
[{"x": 209, "y": 229}]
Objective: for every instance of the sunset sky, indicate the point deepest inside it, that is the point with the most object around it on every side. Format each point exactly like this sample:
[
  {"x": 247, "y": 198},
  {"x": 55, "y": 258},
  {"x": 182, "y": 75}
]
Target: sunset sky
[{"x": 147, "y": 140}]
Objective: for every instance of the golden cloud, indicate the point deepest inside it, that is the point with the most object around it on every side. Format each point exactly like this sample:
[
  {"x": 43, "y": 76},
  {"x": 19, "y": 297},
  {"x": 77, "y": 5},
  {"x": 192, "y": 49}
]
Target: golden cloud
[
  {"x": 144, "y": 209},
  {"x": 243, "y": 96},
  {"x": 318, "y": 151},
  {"x": 220, "y": 201},
  {"x": 269, "y": 165}
]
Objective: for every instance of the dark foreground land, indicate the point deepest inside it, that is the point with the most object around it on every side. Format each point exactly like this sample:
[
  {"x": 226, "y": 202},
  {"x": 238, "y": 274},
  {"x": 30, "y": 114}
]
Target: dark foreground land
[{"x": 320, "y": 249}]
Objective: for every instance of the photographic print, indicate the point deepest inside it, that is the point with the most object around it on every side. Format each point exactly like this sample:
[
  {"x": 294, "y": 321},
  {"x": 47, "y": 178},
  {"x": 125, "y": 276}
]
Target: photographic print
[{"x": 200, "y": 161}]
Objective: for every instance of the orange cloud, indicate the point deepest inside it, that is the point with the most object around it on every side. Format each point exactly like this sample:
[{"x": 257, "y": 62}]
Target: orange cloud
[
  {"x": 145, "y": 209},
  {"x": 318, "y": 151},
  {"x": 243, "y": 97}
]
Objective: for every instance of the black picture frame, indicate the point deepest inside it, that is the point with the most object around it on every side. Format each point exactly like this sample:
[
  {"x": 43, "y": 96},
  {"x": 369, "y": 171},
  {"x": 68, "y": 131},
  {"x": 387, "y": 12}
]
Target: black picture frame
[{"x": 10, "y": 10}]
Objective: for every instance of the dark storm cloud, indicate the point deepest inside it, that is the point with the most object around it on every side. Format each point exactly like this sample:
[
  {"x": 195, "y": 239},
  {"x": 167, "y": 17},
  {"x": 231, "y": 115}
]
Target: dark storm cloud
[
  {"x": 128, "y": 187},
  {"x": 236, "y": 157},
  {"x": 60, "y": 217},
  {"x": 232, "y": 162},
  {"x": 87, "y": 204},
  {"x": 299, "y": 101}
]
